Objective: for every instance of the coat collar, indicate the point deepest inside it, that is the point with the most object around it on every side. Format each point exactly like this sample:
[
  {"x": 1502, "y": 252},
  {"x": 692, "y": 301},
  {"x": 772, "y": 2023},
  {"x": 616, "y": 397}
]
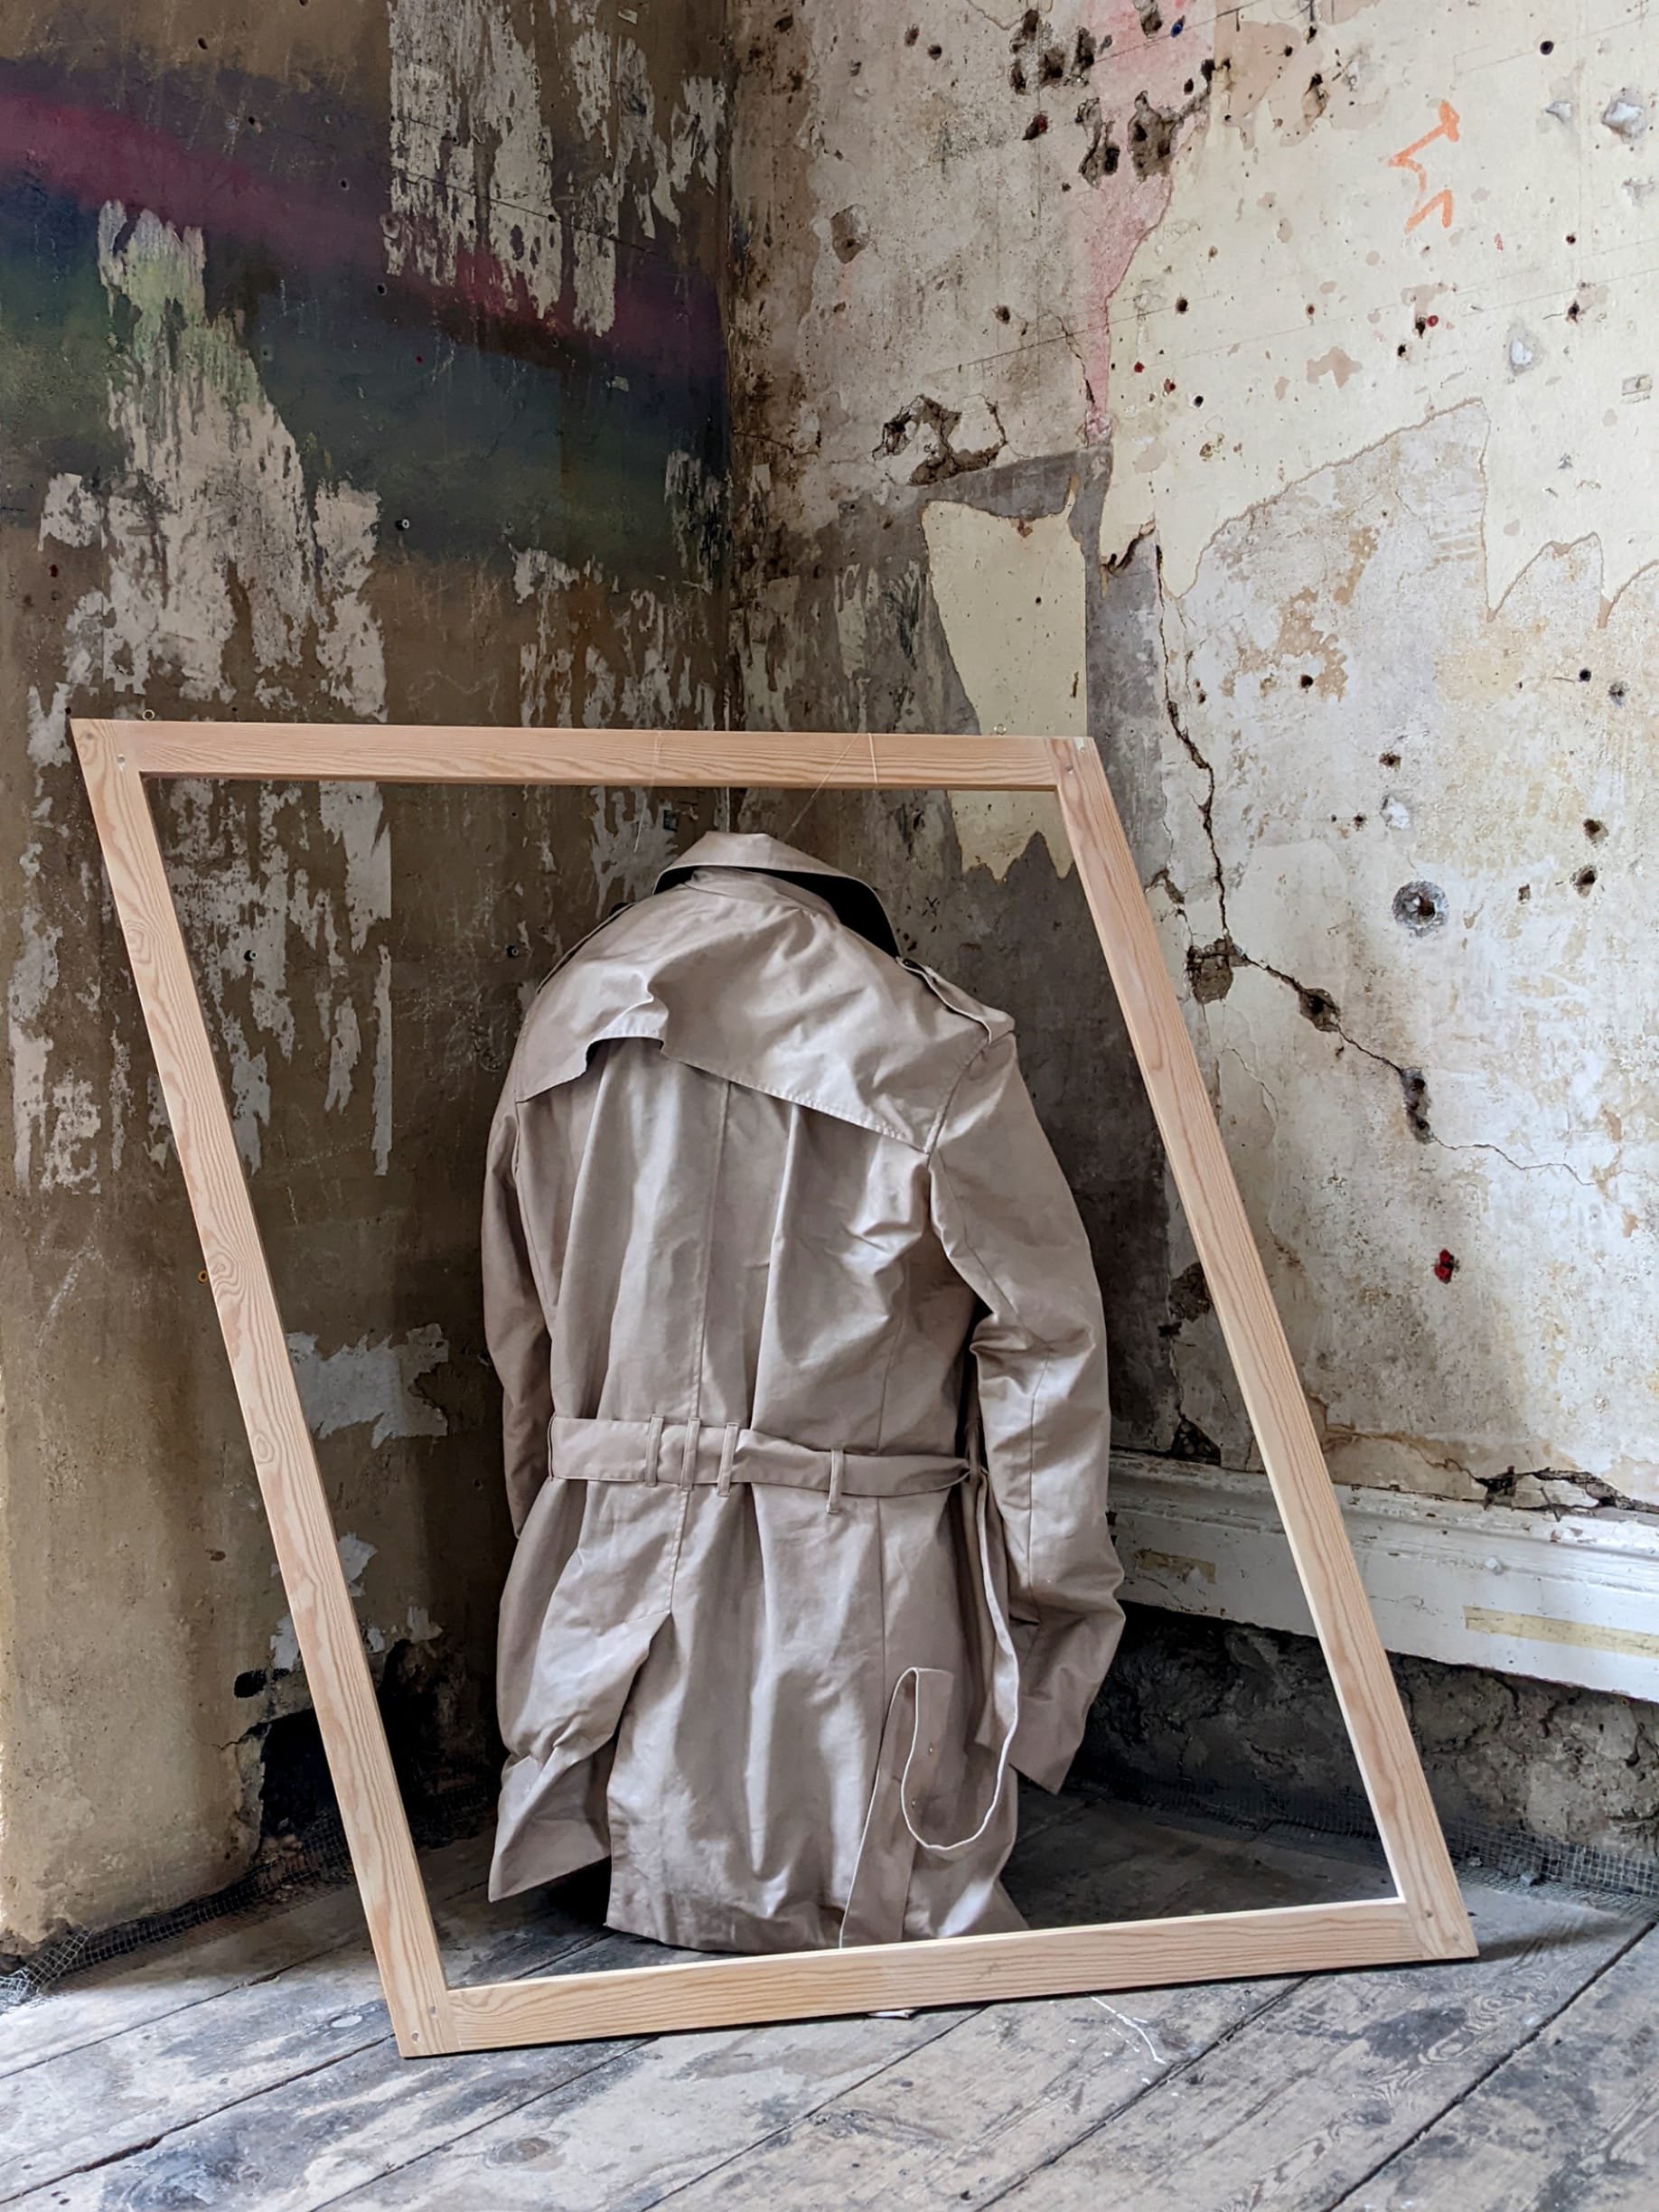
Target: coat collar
[{"x": 853, "y": 902}]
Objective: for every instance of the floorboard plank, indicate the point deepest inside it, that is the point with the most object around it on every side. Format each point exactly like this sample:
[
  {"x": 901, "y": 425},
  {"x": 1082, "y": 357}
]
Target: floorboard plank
[
  {"x": 663, "y": 2115},
  {"x": 208, "y": 1963},
  {"x": 671, "y": 2116},
  {"x": 1568, "y": 2123},
  {"x": 1111, "y": 1861},
  {"x": 1311, "y": 2095},
  {"x": 251, "y": 2067},
  {"x": 1015, "y": 2084},
  {"x": 114, "y": 2095},
  {"x": 305, "y": 2141}
]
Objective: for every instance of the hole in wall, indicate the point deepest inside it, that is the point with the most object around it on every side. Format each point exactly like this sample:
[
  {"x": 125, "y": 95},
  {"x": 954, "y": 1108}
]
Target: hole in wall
[
  {"x": 1190, "y": 1442},
  {"x": 1420, "y": 907},
  {"x": 1414, "y": 1090},
  {"x": 445, "y": 1746}
]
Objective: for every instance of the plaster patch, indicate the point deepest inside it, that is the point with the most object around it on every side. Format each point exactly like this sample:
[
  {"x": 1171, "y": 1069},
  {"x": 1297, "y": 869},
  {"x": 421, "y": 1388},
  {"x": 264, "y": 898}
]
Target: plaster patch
[
  {"x": 383, "y": 1062},
  {"x": 993, "y": 223},
  {"x": 660, "y": 639},
  {"x": 1451, "y": 201},
  {"x": 371, "y": 1382},
  {"x": 471, "y": 156},
  {"x": 355, "y": 1554},
  {"x": 479, "y": 174},
  {"x": 1392, "y": 1093},
  {"x": 1011, "y": 597},
  {"x": 208, "y": 528},
  {"x": 696, "y": 501},
  {"x": 344, "y": 1048},
  {"x": 632, "y": 845}
]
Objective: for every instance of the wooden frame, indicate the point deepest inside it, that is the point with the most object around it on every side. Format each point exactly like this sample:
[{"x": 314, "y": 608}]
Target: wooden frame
[{"x": 1425, "y": 1919}]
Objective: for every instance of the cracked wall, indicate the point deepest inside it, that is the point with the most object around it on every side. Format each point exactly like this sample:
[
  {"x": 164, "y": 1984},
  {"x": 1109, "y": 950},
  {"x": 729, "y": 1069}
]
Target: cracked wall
[
  {"x": 1268, "y": 392},
  {"x": 1034, "y": 434},
  {"x": 356, "y": 364},
  {"x": 1261, "y": 392}
]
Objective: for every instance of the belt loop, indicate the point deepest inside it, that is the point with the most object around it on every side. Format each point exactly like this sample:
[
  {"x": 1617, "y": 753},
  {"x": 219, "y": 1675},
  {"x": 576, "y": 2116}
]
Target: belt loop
[
  {"x": 688, "y": 1457},
  {"x": 728, "y": 1452},
  {"x": 837, "y": 1468},
  {"x": 653, "y": 1448}
]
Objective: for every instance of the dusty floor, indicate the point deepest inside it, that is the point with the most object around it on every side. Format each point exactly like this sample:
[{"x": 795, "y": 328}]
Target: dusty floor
[{"x": 251, "y": 2065}]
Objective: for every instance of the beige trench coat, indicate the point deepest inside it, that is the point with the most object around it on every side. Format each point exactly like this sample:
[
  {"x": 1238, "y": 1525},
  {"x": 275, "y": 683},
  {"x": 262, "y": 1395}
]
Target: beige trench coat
[{"x": 805, "y": 1419}]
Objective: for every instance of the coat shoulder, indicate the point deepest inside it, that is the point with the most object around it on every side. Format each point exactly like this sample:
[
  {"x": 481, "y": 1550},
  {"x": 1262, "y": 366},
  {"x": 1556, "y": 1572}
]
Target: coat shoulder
[
  {"x": 772, "y": 995},
  {"x": 989, "y": 1019}
]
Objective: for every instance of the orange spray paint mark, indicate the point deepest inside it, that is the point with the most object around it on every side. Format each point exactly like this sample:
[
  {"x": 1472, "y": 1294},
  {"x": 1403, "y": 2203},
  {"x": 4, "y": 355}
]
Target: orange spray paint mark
[{"x": 1447, "y": 127}]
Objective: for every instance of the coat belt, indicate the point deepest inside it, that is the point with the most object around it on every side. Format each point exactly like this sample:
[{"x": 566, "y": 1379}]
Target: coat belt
[
  {"x": 686, "y": 1454},
  {"x": 692, "y": 1453}
]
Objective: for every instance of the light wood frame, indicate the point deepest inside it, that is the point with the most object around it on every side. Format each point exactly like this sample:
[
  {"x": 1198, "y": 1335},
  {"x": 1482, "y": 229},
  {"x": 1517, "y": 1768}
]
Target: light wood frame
[{"x": 1424, "y": 1919}]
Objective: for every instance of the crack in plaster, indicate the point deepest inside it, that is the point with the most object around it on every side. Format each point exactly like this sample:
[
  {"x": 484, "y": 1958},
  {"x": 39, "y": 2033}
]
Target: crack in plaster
[{"x": 1325, "y": 1014}]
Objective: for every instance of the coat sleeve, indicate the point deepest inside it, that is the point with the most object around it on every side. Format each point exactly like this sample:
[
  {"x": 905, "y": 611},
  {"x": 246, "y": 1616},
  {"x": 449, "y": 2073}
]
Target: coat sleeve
[
  {"x": 515, "y": 1326},
  {"x": 1011, "y": 1226}
]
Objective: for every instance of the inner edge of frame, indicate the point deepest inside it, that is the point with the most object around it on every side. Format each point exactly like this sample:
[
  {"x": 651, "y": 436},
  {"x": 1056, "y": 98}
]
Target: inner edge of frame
[{"x": 811, "y": 1964}]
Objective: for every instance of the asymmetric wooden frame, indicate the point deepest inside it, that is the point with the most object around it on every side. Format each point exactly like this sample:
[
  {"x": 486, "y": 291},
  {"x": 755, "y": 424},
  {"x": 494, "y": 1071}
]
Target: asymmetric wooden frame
[{"x": 1424, "y": 1920}]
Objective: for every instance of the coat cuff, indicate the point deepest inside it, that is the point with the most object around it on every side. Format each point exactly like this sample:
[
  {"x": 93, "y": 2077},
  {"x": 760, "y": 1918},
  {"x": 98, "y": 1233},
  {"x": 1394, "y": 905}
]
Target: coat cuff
[{"x": 1062, "y": 1666}]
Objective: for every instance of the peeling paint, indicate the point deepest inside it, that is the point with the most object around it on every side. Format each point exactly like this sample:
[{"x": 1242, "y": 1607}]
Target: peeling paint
[
  {"x": 1519, "y": 212},
  {"x": 1375, "y": 601},
  {"x": 994, "y": 242},
  {"x": 373, "y": 1383},
  {"x": 1011, "y": 595},
  {"x": 470, "y": 155},
  {"x": 1522, "y": 1146},
  {"x": 478, "y": 176},
  {"x": 660, "y": 643},
  {"x": 208, "y": 531},
  {"x": 293, "y": 362},
  {"x": 354, "y": 1556}
]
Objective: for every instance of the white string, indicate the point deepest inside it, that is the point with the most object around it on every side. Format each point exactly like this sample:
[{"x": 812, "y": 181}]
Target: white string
[
  {"x": 823, "y": 780},
  {"x": 1005, "y": 1642}
]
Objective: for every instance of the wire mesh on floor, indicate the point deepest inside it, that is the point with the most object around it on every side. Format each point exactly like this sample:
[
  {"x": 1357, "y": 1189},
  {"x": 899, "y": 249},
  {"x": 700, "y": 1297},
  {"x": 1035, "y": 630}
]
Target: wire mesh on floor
[
  {"x": 287, "y": 1867},
  {"x": 291, "y": 1867},
  {"x": 1487, "y": 1848}
]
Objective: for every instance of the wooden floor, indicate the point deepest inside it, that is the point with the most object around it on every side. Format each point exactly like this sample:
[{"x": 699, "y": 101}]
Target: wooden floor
[{"x": 250, "y": 2066}]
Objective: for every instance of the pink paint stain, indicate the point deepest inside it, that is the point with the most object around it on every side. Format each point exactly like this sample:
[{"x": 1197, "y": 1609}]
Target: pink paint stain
[
  {"x": 91, "y": 156},
  {"x": 1111, "y": 219}
]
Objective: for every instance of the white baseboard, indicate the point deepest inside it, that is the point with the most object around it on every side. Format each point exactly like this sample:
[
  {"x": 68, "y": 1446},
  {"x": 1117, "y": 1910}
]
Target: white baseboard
[{"x": 1568, "y": 1598}]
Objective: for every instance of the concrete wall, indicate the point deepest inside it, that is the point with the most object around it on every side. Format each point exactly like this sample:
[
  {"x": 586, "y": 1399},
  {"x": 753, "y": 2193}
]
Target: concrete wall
[
  {"x": 355, "y": 362},
  {"x": 1267, "y": 391}
]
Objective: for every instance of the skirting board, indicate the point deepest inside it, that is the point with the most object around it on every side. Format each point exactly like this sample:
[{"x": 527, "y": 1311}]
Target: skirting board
[{"x": 1568, "y": 1597}]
